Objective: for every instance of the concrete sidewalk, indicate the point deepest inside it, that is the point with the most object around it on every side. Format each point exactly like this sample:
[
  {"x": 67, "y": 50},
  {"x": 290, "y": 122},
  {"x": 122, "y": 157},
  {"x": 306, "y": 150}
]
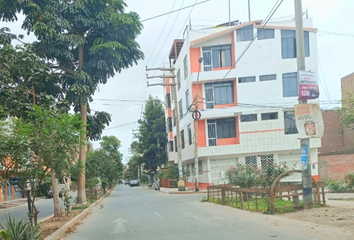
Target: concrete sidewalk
[
  {"x": 188, "y": 191},
  {"x": 15, "y": 203},
  {"x": 343, "y": 200}
]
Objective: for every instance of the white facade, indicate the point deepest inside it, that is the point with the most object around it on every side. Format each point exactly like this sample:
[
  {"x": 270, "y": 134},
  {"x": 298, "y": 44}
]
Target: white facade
[{"x": 254, "y": 140}]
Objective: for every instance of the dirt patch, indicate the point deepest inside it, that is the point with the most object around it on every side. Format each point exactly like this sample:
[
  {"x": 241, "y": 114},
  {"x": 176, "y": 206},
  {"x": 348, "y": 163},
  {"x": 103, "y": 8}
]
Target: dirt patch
[
  {"x": 339, "y": 217},
  {"x": 51, "y": 225}
]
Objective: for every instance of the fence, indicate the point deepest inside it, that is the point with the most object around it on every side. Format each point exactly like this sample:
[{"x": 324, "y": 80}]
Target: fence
[
  {"x": 168, "y": 183},
  {"x": 264, "y": 199}
]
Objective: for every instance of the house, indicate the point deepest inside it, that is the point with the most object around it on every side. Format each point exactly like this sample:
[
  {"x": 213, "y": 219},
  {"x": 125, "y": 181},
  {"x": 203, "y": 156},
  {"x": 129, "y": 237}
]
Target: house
[{"x": 247, "y": 108}]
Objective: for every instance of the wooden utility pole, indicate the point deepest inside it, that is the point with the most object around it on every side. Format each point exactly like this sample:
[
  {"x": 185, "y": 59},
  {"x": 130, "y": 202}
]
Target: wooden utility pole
[
  {"x": 304, "y": 142},
  {"x": 181, "y": 184}
]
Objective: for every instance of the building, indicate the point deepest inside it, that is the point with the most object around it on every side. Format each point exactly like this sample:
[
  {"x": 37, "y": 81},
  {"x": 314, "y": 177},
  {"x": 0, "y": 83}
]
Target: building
[
  {"x": 336, "y": 155},
  {"x": 247, "y": 109}
]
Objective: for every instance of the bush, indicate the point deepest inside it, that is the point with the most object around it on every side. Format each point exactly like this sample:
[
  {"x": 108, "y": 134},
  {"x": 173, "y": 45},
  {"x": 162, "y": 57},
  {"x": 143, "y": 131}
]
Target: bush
[
  {"x": 19, "y": 230},
  {"x": 337, "y": 186},
  {"x": 144, "y": 179},
  {"x": 171, "y": 173}
]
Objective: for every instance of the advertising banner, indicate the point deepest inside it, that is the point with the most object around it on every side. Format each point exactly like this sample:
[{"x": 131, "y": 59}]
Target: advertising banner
[
  {"x": 308, "y": 85},
  {"x": 309, "y": 122}
]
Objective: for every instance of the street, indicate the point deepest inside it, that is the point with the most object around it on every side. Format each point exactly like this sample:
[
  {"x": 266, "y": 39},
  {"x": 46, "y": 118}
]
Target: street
[
  {"x": 45, "y": 206},
  {"x": 141, "y": 213}
]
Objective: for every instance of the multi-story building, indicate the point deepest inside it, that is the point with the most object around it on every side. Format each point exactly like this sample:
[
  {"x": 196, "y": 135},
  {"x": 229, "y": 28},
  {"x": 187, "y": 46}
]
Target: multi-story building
[{"x": 247, "y": 108}]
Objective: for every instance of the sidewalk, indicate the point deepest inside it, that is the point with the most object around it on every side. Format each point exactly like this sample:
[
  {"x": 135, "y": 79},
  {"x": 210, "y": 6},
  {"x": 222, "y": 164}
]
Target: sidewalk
[
  {"x": 15, "y": 203},
  {"x": 175, "y": 191},
  {"x": 343, "y": 200}
]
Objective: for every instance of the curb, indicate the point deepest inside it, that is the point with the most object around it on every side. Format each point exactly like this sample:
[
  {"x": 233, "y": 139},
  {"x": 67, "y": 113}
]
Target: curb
[
  {"x": 62, "y": 230},
  {"x": 187, "y": 193}
]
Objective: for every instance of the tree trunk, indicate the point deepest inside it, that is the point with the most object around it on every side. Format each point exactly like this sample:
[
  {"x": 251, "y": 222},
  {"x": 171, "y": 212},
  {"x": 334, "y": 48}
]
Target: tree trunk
[
  {"x": 57, "y": 210},
  {"x": 81, "y": 193}
]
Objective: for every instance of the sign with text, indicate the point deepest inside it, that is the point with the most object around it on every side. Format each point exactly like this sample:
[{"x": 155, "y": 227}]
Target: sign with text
[
  {"x": 308, "y": 85},
  {"x": 309, "y": 122}
]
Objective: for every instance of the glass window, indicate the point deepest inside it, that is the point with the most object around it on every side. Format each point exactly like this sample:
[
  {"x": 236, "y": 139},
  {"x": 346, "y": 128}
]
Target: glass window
[
  {"x": 226, "y": 128},
  {"x": 178, "y": 79},
  {"x": 168, "y": 100},
  {"x": 187, "y": 100},
  {"x": 290, "y": 85},
  {"x": 244, "y": 34},
  {"x": 268, "y": 77},
  {"x": 200, "y": 167},
  {"x": 175, "y": 138},
  {"x": 171, "y": 146},
  {"x": 251, "y": 161},
  {"x": 267, "y": 161},
  {"x": 180, "y": 108},
  {"x": 246, "y": 79},
  {"x": 265, "y": 33},
  {"x": 182, "y": 139},
  {"x": 249, "y": 118},
  {"x": 219, "y": 93},
  {"x": 169, "y": 122},
  {"x": 269, "y": 116},
  {"x": 189, "y": 134},
  {"x": 216, "y": 57},
  {"x": 288, "y": 44},
  {"x": 174, "y": 117},
  {"x": 289, "y": 122},
  {"x": 185, "y": 69}
]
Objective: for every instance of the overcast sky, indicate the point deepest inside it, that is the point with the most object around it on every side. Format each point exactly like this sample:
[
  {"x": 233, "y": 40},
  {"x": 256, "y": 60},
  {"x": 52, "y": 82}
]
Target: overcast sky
[{"x": 335, "y": 51}]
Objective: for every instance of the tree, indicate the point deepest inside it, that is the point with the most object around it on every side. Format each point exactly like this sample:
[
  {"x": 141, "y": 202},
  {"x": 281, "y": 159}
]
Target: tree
[
  {"x": 347, "y": 110},
  {"x": 88, "y": 40},
  {"x": 152, "y": 136},
  {"x": 50, "y": 139},
  {"x": 105, "y": 163}
]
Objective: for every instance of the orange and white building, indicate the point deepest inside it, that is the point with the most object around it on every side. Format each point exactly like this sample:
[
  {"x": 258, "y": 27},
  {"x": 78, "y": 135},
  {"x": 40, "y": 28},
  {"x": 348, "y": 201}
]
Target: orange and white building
[{"x": 247, "y": 108}]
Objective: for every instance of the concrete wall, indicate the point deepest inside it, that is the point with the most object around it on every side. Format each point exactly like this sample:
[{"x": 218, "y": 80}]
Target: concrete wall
[{"x": 335, "y": 166}]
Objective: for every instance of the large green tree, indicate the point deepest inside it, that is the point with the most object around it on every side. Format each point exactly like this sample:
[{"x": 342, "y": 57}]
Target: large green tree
[
  {"x": 152, "y": 136},
  {"x": 88, "y": 40}
]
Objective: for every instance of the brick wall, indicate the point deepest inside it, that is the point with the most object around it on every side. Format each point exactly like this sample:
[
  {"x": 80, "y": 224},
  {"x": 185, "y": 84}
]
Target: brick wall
[
  {"x": 347, "y": 84},
  {"x": 335, "y": 166}
]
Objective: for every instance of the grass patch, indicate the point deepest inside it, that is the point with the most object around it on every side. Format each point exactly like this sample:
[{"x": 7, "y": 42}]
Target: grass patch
[
  {"x": 342, "y": 199},
  {"x": 80, "y": 207},
  {"x": 258, "y": 205}
]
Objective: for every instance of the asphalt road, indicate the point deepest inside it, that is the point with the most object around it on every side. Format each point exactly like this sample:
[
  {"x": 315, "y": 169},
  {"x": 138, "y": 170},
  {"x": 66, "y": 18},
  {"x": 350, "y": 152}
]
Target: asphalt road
[
  {"x": 45, "y": 206},
  {"x": 140, "y": 213}
]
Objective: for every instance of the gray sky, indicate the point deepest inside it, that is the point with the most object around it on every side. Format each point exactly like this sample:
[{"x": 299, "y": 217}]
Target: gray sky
[{"x": 335, "y": 52}]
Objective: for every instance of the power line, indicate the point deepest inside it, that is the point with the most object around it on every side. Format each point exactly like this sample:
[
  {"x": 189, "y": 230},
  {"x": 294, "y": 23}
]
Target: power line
[
  {"x": 161, "y": 33},
  {"x": 324, "y": 78},
  {"x": 126, "y": 124},
  {"x": 337, "y": 33},
  {"x": 177, "y": 10},
  {"x": 167, "y": 35}
]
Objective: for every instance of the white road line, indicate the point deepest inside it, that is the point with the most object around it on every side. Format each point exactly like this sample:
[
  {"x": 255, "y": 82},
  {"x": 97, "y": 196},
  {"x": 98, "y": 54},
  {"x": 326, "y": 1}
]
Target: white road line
[
  {"x": 138, "y": 197},
  {"x": 158, "y": 215},
  {"x": 220, "y": 218},
  {"x": 145, "y": 203}
]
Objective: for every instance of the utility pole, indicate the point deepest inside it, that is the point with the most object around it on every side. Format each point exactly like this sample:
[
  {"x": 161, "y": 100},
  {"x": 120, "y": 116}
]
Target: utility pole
[
  {"x": 249, "y": 10},
  {"x": 229, "y": 14},
  {"x": 196, "y": 118},
  {"x": 304, "y": 142},
  {"x": 181, "y": 184}
]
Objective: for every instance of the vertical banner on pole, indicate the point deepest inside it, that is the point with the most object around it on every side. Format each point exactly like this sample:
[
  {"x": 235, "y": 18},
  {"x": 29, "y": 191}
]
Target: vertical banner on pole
[{"x": 309, "y": 122}]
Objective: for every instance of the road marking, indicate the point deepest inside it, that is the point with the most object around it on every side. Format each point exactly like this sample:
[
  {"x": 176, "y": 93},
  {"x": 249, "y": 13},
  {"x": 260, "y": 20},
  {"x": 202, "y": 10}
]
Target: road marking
[
  {"x": 145, "y": 203},
  {"x": 158, "y": 215},
  {"x": 138, "y": 198},
  {"x": 119, "y": 228},
  {"x": 208, "y": 221}
]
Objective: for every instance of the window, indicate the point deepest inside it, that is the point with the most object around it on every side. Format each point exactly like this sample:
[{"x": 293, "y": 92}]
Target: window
[
  {"x": 172, "y": 96},
  {"x": 168, "y": 100},
  {"x": 187, "y": 100},
  {"x": 290, "y": 85},
  {"x": 188, "y": 171},
  {"x": 219, "y": 93},
  {"x": 246, "y": 79},
  {"x": 265, "y": 33},
  {"x": 269, "y": 116},
  {"x": 288, "y": 44},
  {"x": 267, "y": 161},
  {"x": 185, "y": 65},
  {"x": 169, "y": 123},
  {"x": 268, "y": 77},
  {"x": 193, "y": 169},
  {"x": 170, "y": 146},
  {"x": 216, "y": 57},
  {"x": 200, "y": 167},
  {"x": 180, "y": 108},
  {"x": 189, "y": 134},
  {"x": 178, "y": 79},
  {"x": 289, "y": 122},
  {"x": 251, "y": 161},
  {"x": 175, "y": 138},
  {"x": 174, "y": 117},
  {"x": 249, "y": 118},
  {"x": 226, "y": 128},
  {"x": 313, "y": 166},
  {"x": 182, "y": 139},
  {"x": 244, "y": 34}
]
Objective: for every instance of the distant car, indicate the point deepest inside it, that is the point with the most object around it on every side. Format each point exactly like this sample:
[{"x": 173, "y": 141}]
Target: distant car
[
  {"x": 120, "y": 182},
  {"x": 126, "y": 182},
  {"x": 61, "y": 188},
  {"x": 135, "y": 182},
  {"x": 157, "y": 185}
]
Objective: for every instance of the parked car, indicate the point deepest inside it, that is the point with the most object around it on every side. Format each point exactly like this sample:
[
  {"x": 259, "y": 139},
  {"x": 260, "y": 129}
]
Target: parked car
[
  {"x": 135, "y": 182},
  {"x": 126, "y": 182},
  {"x": 61, "y": 188},
  {"x": 157, "y": 185}
]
